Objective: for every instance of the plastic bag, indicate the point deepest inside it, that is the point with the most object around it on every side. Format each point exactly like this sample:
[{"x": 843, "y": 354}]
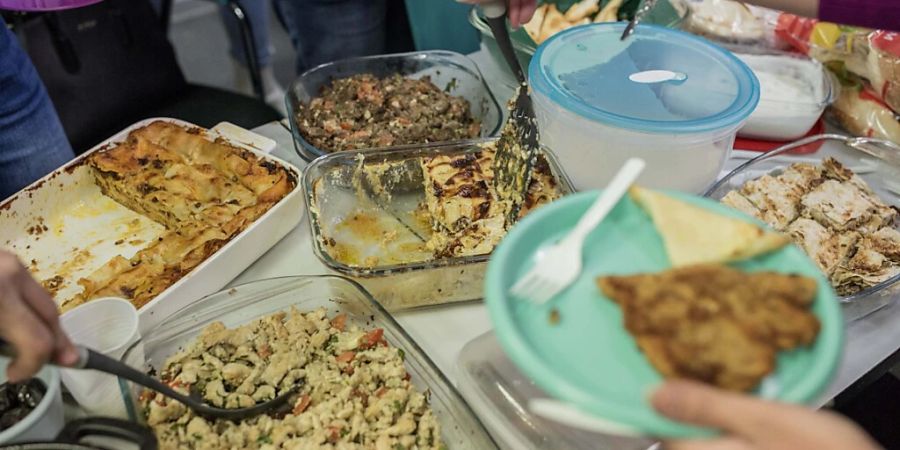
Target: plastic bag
[
  {"x": 725, "y": 21},
  {"x": 849, "y": 51},
  {"x": 862, "y": 113}
]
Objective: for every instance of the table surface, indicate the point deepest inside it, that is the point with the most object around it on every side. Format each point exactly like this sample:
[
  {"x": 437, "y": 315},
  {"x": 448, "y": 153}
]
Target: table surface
[{"x": 442, "y": 331}]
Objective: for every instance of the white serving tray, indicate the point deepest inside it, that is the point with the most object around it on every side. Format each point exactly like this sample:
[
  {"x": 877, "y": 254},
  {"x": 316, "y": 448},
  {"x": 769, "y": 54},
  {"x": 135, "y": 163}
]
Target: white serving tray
[{"x": 62, "y": 224}]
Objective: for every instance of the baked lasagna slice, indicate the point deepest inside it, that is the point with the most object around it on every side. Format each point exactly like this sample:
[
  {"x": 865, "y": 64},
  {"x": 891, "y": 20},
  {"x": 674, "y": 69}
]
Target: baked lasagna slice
[
  {"x": 467, "y": 218},
  {"x": 203, "y": 192},
  {"x": 162, "y": 185},
  {"x": 151, "y": 270}
]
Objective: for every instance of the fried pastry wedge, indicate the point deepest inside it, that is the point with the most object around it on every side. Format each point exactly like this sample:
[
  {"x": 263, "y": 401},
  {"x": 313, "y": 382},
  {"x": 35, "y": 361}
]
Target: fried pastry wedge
[
  {"x": 713, "y": 323},
  {"x": 692, "y": 235}
]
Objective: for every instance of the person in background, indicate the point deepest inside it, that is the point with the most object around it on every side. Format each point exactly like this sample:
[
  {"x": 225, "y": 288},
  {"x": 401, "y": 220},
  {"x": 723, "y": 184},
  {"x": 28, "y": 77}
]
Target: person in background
[
  {"x": 32, "y": 140},
  {"x": 328, "y": 30},
  {"x": 257, "y": 12}
]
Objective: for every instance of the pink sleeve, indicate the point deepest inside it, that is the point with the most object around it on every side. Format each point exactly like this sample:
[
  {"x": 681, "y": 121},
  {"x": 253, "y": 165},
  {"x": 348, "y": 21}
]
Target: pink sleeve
[{"x": 880, "y": 14}]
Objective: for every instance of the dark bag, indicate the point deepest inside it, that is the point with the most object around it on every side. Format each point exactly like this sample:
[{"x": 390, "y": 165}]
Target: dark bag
[{"x": 103, "y": 64}]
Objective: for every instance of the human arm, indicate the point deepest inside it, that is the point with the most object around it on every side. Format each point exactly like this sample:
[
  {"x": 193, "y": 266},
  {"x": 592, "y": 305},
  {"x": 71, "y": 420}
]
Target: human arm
[
  {"x": 519, "y": 12},
  {"x": 882, "y": 14},
  {"x": 29, "y": 321},
  {"x": 748, "y": 423}
]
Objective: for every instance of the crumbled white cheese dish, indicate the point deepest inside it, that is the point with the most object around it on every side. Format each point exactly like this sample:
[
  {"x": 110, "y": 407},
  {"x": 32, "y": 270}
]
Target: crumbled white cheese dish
[{"x": 355, "y": 394}]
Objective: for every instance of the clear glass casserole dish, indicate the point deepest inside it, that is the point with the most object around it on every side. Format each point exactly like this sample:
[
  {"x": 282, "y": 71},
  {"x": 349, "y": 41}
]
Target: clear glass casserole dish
[
  {"x": 405, "y": 275},
  {"x": 876, "y": 162},
  {"x": 455, "y": 73},
  {"x": 244, "y": 303}
]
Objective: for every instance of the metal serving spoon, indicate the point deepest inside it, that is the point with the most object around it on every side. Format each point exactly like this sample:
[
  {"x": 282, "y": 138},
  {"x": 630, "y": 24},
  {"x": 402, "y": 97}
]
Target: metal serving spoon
[{"x": 91, "y": 360}]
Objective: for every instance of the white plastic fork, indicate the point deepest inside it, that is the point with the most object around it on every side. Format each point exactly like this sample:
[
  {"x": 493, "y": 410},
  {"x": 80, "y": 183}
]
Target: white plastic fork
[{"x": 559, "y": 265}]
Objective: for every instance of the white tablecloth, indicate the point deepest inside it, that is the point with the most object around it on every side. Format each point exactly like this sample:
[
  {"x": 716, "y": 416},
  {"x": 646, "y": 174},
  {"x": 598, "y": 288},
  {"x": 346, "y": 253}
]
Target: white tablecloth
[{"x": 442, "y": 331}]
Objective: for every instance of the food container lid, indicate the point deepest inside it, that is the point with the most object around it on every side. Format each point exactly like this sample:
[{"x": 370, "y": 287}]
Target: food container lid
[{"x": 658, "y": 80}]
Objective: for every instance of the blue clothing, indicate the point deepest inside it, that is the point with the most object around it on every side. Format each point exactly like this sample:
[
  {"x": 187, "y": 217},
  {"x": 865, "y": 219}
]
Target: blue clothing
[
  {"x": 257, "y": 12},
  {"x": 32, "y": 140},
  {"x": 327, "y": 30}
]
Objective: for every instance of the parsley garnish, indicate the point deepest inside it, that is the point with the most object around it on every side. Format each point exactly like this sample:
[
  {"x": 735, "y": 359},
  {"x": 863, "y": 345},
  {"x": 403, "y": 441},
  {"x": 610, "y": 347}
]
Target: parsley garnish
[
  {"x": 264, "y": 439},
  {"x": 331, "y": 342}
]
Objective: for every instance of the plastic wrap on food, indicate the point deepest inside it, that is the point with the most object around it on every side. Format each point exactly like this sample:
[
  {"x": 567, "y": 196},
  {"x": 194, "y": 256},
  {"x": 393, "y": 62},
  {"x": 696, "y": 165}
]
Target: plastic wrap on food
[
  {"x": 862, "y": 113},
  {"x": 884, "y": 66},
  {"x": 725, "y": 20},
  {"x": 849, "y": 51}
]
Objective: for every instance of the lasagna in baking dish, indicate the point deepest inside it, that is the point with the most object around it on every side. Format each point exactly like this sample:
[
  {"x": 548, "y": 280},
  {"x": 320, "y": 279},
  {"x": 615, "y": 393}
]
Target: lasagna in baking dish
[
  {"x": 834, "y": 216},
  {"x": 203, "y": 192},
  {"x": 465, "y": 214}
]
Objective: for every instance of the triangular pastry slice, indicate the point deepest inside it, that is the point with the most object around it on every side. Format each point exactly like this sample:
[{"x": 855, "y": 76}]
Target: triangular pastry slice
[{"x": 694, "y": 235}]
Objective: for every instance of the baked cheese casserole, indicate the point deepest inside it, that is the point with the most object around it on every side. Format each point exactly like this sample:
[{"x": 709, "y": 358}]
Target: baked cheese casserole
[{"x": 203, "y": 192}]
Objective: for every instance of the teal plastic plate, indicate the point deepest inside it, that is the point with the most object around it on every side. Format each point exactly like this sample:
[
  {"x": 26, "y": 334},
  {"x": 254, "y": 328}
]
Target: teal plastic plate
[{"x": 587, "y": 358}]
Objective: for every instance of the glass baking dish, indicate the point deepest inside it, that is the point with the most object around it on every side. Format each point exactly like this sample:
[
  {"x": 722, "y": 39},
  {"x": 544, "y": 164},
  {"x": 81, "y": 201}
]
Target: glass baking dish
[
  {"x": 870, "y": 161},
  {"x": 334, "y": 196},
  {"x": 244, "y": 303},
  {"x": 456, "y": 73}
]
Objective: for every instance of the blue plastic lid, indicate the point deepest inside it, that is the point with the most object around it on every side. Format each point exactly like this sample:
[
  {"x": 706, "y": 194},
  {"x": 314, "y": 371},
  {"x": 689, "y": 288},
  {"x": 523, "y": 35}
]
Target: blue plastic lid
[{"x": 659, "y": 80}]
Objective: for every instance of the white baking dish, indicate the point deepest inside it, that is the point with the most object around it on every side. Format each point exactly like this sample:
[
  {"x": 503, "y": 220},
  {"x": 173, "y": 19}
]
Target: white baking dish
[{"x": 63, "y": 225}]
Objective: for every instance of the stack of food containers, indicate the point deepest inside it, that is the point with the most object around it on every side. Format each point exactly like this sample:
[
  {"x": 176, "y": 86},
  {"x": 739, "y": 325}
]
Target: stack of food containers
[{"x": 663, "y": 95}]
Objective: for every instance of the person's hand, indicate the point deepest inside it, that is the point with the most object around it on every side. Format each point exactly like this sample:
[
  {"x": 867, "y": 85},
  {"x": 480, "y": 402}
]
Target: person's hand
[
  {"x": 519, "y": 12},
  {"x": 749, "y": 423},
  {"x": 29, "y": 321}
]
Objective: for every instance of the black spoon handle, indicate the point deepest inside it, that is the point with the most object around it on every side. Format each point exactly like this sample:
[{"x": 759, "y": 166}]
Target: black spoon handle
[
  {"x": 90, "y": 359},
  {"x": 495, "y": 14}
]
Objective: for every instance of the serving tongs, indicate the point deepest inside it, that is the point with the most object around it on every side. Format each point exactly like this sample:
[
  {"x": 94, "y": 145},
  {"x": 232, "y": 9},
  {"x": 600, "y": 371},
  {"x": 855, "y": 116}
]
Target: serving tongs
[
  {"x": 518, "y": 146},
  {"x": 91, "y": 360},
  {"x": 638, "y": 15}
]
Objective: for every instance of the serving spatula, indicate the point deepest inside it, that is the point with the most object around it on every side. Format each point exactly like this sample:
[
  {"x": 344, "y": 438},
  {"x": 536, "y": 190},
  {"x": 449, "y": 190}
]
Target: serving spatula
[
  {"x": 518, "y": 145},
  {"x": 89, "y": 359}
]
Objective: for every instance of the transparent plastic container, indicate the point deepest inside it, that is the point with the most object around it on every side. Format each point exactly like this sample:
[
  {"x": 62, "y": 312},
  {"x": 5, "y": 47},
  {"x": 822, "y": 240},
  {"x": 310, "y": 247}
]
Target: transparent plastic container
[
  {"x": 880, "y": 175},
  {"x": 794, "y": 91},
  {"x": 244, "y": 303},
  {"x": 456, "y": 73},
  {"x": 333, "y": 196},
  {"x": 669, "y": 97},
  {"x": 499, "y": 393}
]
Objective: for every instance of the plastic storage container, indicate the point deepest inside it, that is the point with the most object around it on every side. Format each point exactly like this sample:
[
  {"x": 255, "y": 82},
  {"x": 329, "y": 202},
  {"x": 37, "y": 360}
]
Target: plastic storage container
[
  {"x": 793, "y": 93},
  {"x": 244, "y": 303},
  {"x": 456, "y": 73},
  {"x": 499, "y": 393},
  {"x": 335, "y": 194},
  {"x": 45, "y": 421},
  {"x": 879, "y": 175},
  {"x": 663, "y": 95}
]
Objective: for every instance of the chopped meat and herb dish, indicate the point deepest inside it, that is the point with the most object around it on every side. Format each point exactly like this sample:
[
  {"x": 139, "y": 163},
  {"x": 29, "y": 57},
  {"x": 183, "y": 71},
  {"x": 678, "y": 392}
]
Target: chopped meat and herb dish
[
  {"x": 363, "y": 111},
  {"x": 355, "y": 391}
]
